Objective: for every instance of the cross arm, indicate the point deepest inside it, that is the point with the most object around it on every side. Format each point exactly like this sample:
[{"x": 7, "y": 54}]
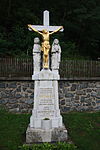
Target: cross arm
[
  {"x": 34, "y": 29},
  {"x": 61, "y": 27},
  {"x": 48, "y": 28}
]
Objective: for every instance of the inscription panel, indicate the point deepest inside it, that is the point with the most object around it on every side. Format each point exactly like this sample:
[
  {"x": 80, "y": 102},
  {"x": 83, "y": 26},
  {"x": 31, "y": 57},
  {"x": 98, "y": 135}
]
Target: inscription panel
[{"x": 46, "y": 102}]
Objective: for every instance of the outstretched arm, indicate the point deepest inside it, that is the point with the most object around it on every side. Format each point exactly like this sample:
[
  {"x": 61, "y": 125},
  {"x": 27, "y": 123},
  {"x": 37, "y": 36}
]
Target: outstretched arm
[
  {"x": 57, "y": 30},
  {"x": 30, "y": 26}
]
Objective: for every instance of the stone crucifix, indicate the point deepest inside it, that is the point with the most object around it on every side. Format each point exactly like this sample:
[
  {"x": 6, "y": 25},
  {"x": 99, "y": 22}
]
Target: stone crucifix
[{"x": 46, "y": 31}]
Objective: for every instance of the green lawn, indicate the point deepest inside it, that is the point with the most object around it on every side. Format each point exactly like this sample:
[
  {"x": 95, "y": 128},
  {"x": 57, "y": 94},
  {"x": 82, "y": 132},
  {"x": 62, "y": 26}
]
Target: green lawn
[
  {"x": 83, "y": 129},
  {"x": 12, "y": 130}
]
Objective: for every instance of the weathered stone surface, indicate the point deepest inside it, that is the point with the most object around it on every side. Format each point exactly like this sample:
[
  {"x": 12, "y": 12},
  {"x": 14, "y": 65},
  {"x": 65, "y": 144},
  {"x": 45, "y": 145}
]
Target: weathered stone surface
[
  {"x": 68, "y": 100},
  {"x": 14, "y": 110},
  {"x": 88, "y": 96},
  {"x": 97, "y": 108},
  {"x": 29, "y": 91},
  {"x": 68, "y": 103},
  {"x": 98, "y": 85},
  {"x": 32, "y": 136},
  {"x": 18, "y": 89},
  {"x": 98, "y": 101},
  {"x": 62, "y": 102},
  {"x": 12, "y": 85},
  {"x": 23, "y": 110},
  {"x": 92, "y": 84},
  {"x": 98, "y": 92},
  {"x": 29, "y": 110},
  {"x": 2, "y": 85},
  {"x": 76, "y": 97},
  {"x": 82, "y": 85},
  {"x": 74, "y": 86},
  {"x": 59, "y": 134},
  {"x": 23, "y": 106},
  {"x": 88, "y": 104},
  {"x": 26, "y": 95},
  {"x": 4, "y": 95},
  {"x": 89, "y": 90},
  {"x": 30, "y": 101},
  {"x": 24, "y": 88},
  {"x": 69, "y": 95},
  {"x": 93, "y": 94},
  {"x": 94, "y": 103},
  {"x": 32, "y": 86},
  {"x": 98, "y": 96},
  {"x": 18, "y": 95},
  {"x": 3, "y": 101},
  {"x": 13, "y": 92},
  {"x": 80, "y": 92},
  {"x": 12, "y": 101},
  {"x": 32, "y": 95},
  {"x": 52, "y": 135},
  {"x": 65, "y": 109},
  {"x": 61, "y": 95},
  {"x": 11, "y": 105},
  {"x": 82, "y": 99}
]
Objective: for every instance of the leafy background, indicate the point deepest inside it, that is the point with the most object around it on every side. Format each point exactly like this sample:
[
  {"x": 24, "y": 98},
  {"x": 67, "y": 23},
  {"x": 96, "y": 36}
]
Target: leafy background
[{"x": 80, "y": 18}]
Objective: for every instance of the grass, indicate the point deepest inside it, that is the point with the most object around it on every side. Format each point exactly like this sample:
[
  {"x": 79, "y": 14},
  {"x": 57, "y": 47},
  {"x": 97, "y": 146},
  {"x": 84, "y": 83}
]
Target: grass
[
  {"x": 12, "y": 130},
  {"x": 83, "y": 129}
]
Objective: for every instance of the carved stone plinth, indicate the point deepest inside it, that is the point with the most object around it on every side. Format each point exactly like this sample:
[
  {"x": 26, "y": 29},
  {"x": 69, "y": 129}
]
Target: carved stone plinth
[
  {"x": 46, "y": 121},
  {"x": 49, "y": 135}
]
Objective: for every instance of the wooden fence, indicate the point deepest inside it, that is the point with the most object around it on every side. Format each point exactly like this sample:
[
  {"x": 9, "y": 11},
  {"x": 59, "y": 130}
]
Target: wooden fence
[
  {"x": 80, "y": 69},
  {"x": 16, "y": 67}
]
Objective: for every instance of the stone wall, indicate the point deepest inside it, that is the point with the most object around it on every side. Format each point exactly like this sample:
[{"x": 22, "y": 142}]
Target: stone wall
[
  {"x": 79, "y": 96},
  {"x": 18, "y": 96}
]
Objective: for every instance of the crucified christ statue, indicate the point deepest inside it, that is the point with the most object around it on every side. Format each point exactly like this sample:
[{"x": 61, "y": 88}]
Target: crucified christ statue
[{"x": 45, "y": 44}]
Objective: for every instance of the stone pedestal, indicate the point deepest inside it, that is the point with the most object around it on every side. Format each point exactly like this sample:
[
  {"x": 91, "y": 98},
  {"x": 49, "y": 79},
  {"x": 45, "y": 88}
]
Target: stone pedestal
[
  {"x": 46, "y": 122},
  {"x": 46, "y": 135}
]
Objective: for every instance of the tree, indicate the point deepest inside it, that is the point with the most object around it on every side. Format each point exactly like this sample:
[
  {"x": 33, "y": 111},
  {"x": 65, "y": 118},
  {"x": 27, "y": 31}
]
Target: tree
[{"x": 81, "y": 21}]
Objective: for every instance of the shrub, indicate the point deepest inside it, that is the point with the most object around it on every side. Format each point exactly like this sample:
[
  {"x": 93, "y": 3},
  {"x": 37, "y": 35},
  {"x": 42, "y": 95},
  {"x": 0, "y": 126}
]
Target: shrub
[{"x": 48, "y": 146}]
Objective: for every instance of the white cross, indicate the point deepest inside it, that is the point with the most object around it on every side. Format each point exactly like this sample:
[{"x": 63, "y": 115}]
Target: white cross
[{"x": 46, "y": 24}]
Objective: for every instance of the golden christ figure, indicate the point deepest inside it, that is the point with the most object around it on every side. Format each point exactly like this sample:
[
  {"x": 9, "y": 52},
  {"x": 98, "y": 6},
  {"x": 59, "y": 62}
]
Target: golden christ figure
[{"x": 45, "y": 44}]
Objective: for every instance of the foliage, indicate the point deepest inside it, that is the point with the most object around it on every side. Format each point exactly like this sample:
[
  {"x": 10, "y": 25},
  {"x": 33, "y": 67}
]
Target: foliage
[
  {"x": 81, "y": 21},
  {"x": 48, "y": 146}
]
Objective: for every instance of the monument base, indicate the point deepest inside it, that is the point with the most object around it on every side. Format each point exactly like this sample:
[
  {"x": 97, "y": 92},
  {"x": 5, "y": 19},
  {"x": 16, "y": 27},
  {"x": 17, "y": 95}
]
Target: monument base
[
  {"x": 34, "y": 135},
  {"x": 46, "y": 123}
]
